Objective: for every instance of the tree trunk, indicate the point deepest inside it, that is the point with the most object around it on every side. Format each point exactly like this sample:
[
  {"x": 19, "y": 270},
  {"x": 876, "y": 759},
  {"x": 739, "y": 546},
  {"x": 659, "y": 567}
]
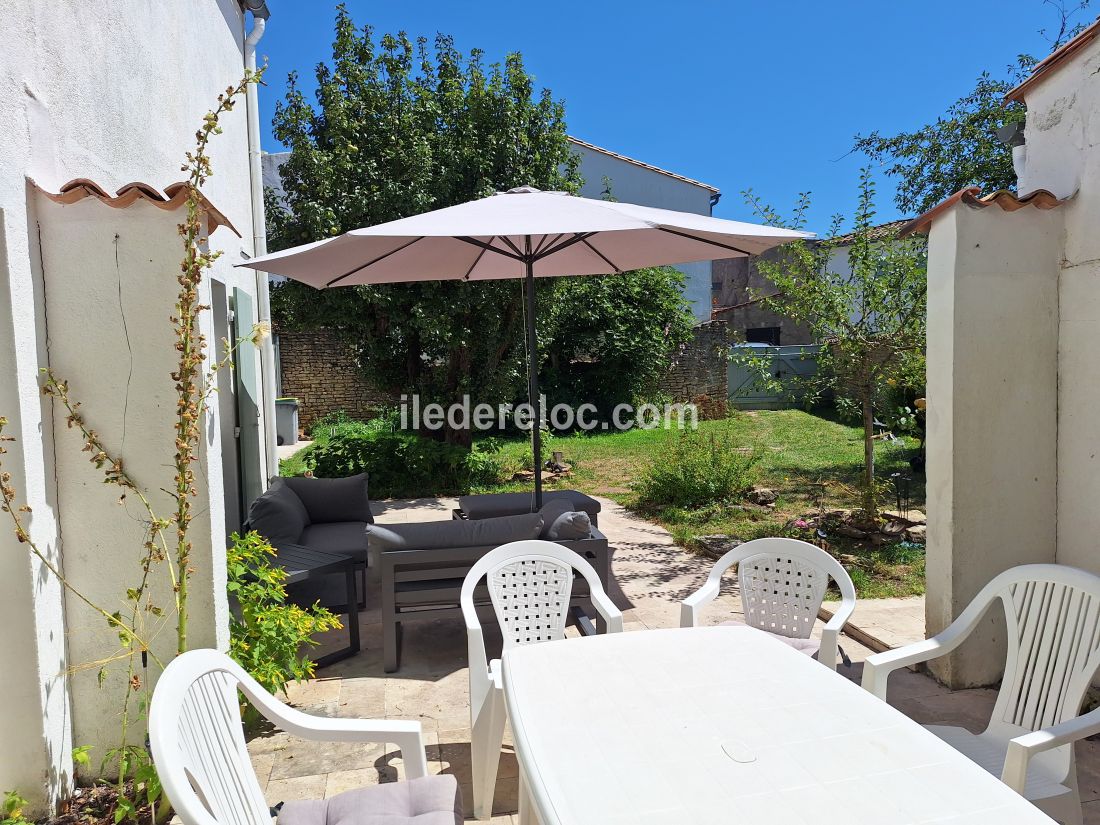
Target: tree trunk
[
  {"x": 463, "y": 438},
  {"x": 870, "y": 504}
]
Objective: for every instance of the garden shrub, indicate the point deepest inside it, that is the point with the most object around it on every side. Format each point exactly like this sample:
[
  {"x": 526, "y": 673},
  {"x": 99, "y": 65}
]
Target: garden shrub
[
  {"x": 266, "y": 637},
  {"x": 405, "y": 465},
  {"x": 694, "y": 469},
  {"x": 339, "y": 423},
  {"x": 11, "y": 809}
]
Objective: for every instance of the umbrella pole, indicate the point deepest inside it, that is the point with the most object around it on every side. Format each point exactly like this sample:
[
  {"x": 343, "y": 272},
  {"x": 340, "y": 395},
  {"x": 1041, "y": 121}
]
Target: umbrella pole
[{"x": 533, "y": 379}]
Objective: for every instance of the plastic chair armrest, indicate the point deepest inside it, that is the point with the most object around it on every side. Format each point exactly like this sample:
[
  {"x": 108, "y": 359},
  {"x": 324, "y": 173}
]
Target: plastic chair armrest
[
  {"x": 877, "y": 668},
  {"x": 691, "y": 607},
  {"x": 1023, "y": 748},
  {"x": 830, "y": 634},
  {"x": 406, "y": 735},
  {"x": 608, "y": 611}
]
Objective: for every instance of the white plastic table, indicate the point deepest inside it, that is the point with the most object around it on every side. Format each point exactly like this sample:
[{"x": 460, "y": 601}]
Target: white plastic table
[{"x": 726, "y": 725}]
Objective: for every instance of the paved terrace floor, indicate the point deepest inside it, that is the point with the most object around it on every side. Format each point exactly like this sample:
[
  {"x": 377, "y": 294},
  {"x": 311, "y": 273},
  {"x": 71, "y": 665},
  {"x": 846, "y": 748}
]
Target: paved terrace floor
[{"x": 653, "y": 576}]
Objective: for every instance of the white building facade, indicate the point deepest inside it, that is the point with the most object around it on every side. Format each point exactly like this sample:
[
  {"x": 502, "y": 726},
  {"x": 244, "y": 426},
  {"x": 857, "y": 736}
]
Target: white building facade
[
  {"x": 1014, "y": 360},
  {"x": 112, "y": 94},
  {"x": 633, "y": 181}
]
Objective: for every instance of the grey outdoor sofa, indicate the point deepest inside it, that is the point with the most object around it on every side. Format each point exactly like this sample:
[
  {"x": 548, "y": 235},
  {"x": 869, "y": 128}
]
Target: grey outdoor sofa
[
  {"x": 325, "y": 515},
  {"x": 422, "y": 566},
  {"x": 494, "y": 505}
]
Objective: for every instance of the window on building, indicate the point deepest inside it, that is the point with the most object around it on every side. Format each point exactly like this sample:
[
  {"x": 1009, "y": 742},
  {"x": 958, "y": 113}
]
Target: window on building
[
  {"x": 715, "y": 285},
  {"x": 763, "y": 335}
]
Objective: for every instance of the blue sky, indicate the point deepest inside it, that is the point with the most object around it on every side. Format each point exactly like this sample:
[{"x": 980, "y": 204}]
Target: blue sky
[{"x": 737, "y": 94}]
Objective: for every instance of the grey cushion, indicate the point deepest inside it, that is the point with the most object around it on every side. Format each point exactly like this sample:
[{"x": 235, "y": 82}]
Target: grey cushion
[
  {"x": 329, "y": 500},
  {"x": 569, "y": 526},
  {"x": 808, "y": 646},
  {"x": 493, "y": 505},
  {"x": 279, "y": 515},
  {"x": 550, "y": 512},
  {"x": 434, "y": 535},
  {"x": 348, "y": 538},
  {"x": 429, "y": 800}
]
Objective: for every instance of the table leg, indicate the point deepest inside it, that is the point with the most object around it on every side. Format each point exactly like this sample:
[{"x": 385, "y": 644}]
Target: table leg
[
  {"x": 353, "y": 610},
  {"x": 527, "y": 815}
]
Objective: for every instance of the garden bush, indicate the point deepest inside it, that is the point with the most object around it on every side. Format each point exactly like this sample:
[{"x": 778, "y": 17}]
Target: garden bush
[
  {"x": 267, "y": 635},
  {"x": 405, "y": 465},
  {"x": 337, "y": 423},
  {"x": 695, "y": 469}
]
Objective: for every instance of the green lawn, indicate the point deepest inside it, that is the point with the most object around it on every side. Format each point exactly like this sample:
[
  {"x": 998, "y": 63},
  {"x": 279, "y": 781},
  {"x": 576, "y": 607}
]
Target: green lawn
[{"x": 811, "y": 461}]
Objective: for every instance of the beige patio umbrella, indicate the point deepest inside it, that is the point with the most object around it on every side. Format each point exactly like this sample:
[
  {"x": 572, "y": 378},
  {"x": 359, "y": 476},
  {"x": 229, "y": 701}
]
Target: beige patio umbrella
[{"x": 521, "y": 233}]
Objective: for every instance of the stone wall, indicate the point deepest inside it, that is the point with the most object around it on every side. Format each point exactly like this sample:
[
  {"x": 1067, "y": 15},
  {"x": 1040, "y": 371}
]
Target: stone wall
[
  {"x": 737, "y": 302},
  {"x": 700, "y": 368},
  {"x": 322, "y": 372}
]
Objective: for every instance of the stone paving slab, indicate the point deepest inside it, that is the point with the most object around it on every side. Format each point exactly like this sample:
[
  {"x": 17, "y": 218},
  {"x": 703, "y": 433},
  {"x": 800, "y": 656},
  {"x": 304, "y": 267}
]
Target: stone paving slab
[
  {"x": 891, "y": 622},
  {"x": 653, "y": 575}
]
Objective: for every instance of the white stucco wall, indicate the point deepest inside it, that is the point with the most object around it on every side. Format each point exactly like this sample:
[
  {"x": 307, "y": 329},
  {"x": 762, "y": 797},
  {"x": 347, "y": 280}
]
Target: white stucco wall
[
  {"x": 992, "y": 415},
  {"x": 1063, "y": 136},
  {"x": 117, "y": 367},
  {"x": 636, "y": 184},
  {"x": 111, "y": 92}
]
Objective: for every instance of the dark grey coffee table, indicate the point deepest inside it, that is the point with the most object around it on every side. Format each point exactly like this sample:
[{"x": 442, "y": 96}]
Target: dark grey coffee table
[{"x": 312, "y": 576}]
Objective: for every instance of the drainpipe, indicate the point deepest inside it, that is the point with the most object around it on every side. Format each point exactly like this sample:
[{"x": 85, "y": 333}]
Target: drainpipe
[{"x": 259, "y": 11}]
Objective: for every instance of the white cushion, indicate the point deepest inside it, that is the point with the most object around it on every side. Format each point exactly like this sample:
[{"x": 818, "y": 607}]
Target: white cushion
[{"x": 807, "y": 646}]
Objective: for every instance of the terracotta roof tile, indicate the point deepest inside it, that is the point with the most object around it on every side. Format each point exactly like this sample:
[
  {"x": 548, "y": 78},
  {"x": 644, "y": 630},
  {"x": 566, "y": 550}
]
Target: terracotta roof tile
[
  {"x": 972, "y": 197},
  {"x": 874, "y": 233},
  {"x": 174, "y": 197},
  {"x": 643, "y": 165}
]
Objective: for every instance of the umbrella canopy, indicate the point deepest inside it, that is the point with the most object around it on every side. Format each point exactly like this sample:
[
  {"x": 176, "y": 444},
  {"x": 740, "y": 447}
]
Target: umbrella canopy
[
  {"x": 521, "y": 233},
  {"x": 493, "y": 237}
]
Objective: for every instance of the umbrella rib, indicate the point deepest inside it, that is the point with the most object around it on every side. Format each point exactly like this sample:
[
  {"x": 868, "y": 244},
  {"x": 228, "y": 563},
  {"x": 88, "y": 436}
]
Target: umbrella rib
[
  {"x": 577, "y": 238},
  {"x": 513, "y": 247},
  {"x": 703, "y": 240},
  {"x": 372, "y": 263},
  {"x": 488, "y": 247},
  {"x": 545, "y": 242},
  {"x": 477, "y": 260},
  {"x": 606, "y": 260}
]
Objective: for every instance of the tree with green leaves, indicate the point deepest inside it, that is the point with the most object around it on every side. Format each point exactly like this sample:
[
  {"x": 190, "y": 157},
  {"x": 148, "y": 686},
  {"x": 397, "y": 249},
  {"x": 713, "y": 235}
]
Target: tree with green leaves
[
  {"x": 865, "y": 303},
  {"x": 960, "y": 148},
  {"x": 957, "y": 150},
  {"x": 400, "y": 128},
  {"x": 610, "y": 339}
]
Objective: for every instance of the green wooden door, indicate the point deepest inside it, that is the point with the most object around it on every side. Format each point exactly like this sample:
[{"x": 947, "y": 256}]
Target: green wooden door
[{"x": 248, "y": 400}]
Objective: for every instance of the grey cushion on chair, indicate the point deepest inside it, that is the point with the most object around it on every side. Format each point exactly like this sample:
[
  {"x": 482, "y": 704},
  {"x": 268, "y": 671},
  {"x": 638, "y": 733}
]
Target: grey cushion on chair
[
  {"x": 347, "y": 538},
  {"x": 808, "y": 646},
  {"x": 435, "y": 535},
  {"x": 333, "y": 499},
  {"x": 560, "y": 522},
  {"x": 279, "y": 515},
  {"x": 550, "y": 512},
  {"x": 429, "y": 800}
]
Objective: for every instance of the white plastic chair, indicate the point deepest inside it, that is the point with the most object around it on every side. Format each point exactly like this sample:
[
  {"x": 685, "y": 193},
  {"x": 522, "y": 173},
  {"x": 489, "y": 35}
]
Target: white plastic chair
[
  {"x": 783, "y": 583},
  {"x": 1053, "y": 619},
  {"x": 198, "y": 746},
  {"x": 530, "y": 584}
]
